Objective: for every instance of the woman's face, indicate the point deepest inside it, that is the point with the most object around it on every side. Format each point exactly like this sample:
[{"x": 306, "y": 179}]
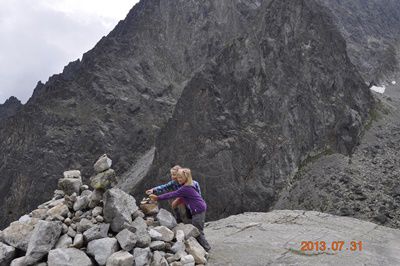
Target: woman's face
[
  {"x": 174, "y": 175},
  {"x": 181, "y": 180}
]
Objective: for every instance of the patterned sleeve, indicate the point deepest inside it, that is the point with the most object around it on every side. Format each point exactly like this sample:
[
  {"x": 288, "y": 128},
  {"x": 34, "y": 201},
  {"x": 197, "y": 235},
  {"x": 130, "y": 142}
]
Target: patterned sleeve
[
  {"x": 171, "y": 185},
  {"x": 197, "y": 186}
]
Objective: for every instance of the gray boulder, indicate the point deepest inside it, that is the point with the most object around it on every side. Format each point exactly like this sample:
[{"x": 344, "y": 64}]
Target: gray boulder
[
  {"x": 126, "y": 239},
  {"x": 102, "y": 164},
  {"x": 78, "y": 241},
  {"x": 58, "y": 210},
  {"x": 102, "y": 249},
  {"x": 84, "y": 225},
  {"x": 97, "y": 211},
  {"x": 142, "y": 256},
  {"x": 68, "y": 257},
  {"x": 18, "y": 234},
  {"x": 96, "y": 232},
  {"x": 196, "y": 250},
  {"x": 166, "y": 219},
  {"x": 189, "y": 230},
  {"x": 118, "y": 208},
  {"x": 81, "y": 203},
  {"x": 120, "y": 258},
  {"x": 104, "y": 180},
  {"x": 7, "y": 254},
  {"x": 64, "y": 242},
  {"x": 166, "y": 234},
  {"x": 18, "y": 262},
  {"x": 43, "y": 239},
  {"x": 158, "y": 259},
  {"x": 155, "y": 235},
  {"x": 70, "y": 185},
  {"x": 72, "y": 174},
  {"x": 95, "y": 197},
  {"x": 143, "y": 238},
  {"x": 157, "y": 245},
  {"x": 188, "y": 260}
]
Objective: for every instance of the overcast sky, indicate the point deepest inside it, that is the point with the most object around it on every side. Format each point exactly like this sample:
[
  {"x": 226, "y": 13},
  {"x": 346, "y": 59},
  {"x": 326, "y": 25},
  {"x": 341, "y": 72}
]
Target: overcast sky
[{"x": 40, "y": 37}]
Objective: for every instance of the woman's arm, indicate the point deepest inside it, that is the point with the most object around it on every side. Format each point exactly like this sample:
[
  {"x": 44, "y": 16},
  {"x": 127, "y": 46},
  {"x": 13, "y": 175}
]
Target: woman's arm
[
  {"x": 171, "y": 185},
  {"x": 170, "y": 195}
]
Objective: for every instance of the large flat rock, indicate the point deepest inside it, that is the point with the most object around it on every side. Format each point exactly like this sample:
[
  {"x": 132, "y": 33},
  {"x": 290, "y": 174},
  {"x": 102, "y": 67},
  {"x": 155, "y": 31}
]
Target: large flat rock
[{"x": 275, "y": 238}]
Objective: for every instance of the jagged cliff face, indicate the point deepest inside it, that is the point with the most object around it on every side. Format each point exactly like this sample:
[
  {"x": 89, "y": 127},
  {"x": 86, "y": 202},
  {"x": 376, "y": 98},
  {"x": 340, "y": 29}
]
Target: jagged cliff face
[
  {"x": 120, "y": 96},
  {"x": 269, "y": 100},
  {"x": 114, "y": 101},
  {"x": 372, "y": 32},
  {"x": 9, "y": 108}
]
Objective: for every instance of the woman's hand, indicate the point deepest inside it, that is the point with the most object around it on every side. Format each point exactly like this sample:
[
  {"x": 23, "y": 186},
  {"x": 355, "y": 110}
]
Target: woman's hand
[
  {"x": 153, "y": 197},
  {"x": 149, "y": 191}
]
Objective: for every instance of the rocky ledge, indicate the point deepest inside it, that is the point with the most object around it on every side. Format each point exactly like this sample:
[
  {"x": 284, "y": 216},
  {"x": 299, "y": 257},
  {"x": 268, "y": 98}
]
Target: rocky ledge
[
  {"x": 275, "y": 238},
  {"x": 81, "y": 227}
]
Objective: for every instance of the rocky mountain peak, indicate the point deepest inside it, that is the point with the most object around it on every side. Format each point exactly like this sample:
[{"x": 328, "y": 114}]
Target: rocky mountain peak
[{"x": 9, "y": 107}]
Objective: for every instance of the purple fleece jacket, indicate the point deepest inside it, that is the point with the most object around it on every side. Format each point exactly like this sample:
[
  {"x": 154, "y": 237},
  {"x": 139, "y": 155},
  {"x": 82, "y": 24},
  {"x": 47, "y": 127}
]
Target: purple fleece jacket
[{"x": 191, "y": 197}]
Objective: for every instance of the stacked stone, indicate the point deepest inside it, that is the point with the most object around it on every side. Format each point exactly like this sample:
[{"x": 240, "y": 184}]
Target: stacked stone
[{"x": 100, "y": 227}]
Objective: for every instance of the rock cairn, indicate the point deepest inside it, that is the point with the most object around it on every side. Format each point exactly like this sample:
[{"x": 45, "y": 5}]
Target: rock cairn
[{"x": 103, "y": 226}]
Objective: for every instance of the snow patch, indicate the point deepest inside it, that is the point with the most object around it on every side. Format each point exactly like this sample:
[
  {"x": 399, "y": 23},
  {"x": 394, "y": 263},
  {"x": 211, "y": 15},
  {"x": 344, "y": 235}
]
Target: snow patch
[{"x": 378, "y": 89}]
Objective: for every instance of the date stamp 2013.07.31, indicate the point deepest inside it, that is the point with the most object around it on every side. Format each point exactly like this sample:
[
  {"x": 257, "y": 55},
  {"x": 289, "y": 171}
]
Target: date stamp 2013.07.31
[{"x": 351, "y": 246}]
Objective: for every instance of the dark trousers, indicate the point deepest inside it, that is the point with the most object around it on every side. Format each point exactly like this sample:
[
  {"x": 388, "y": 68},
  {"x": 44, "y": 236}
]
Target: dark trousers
[{"x": 198, "y": 221}]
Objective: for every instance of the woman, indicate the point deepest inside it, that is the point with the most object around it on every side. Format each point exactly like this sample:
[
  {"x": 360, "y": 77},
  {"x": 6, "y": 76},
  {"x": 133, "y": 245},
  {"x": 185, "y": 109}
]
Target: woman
[{"x": 193, "y": 201}]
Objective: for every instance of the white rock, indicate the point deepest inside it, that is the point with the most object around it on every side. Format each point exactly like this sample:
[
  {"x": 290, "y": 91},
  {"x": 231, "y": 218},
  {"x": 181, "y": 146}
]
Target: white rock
[{"x": 72, "y": 174}]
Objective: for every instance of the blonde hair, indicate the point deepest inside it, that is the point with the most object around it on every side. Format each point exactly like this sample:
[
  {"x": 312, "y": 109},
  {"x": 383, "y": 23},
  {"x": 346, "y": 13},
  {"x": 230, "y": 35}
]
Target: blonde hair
[
  {"x": 174, "y": 170},
  {"x": 187, "y": 174}
]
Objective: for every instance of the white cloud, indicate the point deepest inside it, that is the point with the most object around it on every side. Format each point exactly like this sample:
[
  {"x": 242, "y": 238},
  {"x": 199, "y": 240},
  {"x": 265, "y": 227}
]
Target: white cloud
[{"x": 40, "y": 37}]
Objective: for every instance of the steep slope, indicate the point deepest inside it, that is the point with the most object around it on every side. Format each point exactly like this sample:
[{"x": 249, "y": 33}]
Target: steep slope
[
  {"x": 268, "y": 101},
  {"x": 115, "y": 100},
  {"x": 371, "y": 29},
  {"x": 365, "y": 185},
  {"x": 9, "y": 108}
]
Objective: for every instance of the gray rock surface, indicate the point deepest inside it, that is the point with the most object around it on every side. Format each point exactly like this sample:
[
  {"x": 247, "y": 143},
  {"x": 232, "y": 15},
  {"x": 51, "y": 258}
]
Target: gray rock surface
[
  {"x": 120, "y": 258},
  {"x": 364, "y": 185},
  {"x": 68, "y": 257},
  {"x": 166, "y": 219},
  {"x": 44, "y": 237},
  {"x": 142, "y": 256},
  {"x": 126, "y": 239},
  {"x": 7, "y": 254},
  {"x": 18, "y": 235},
  {"x": 96, "y": 232},
  {"x": 102, "y": 164},
  {"x": 9, "y": 108},
  {"x": 188, "y": 230},
  {"x": 102, "y": 249},
  {"x": 64, "y": 242},
  {"x": 166, "y": 234},
  {"x": 275, "y": 238},
  {"x": 263, "y": 112},
  {"x": 118, "y": 208}
]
